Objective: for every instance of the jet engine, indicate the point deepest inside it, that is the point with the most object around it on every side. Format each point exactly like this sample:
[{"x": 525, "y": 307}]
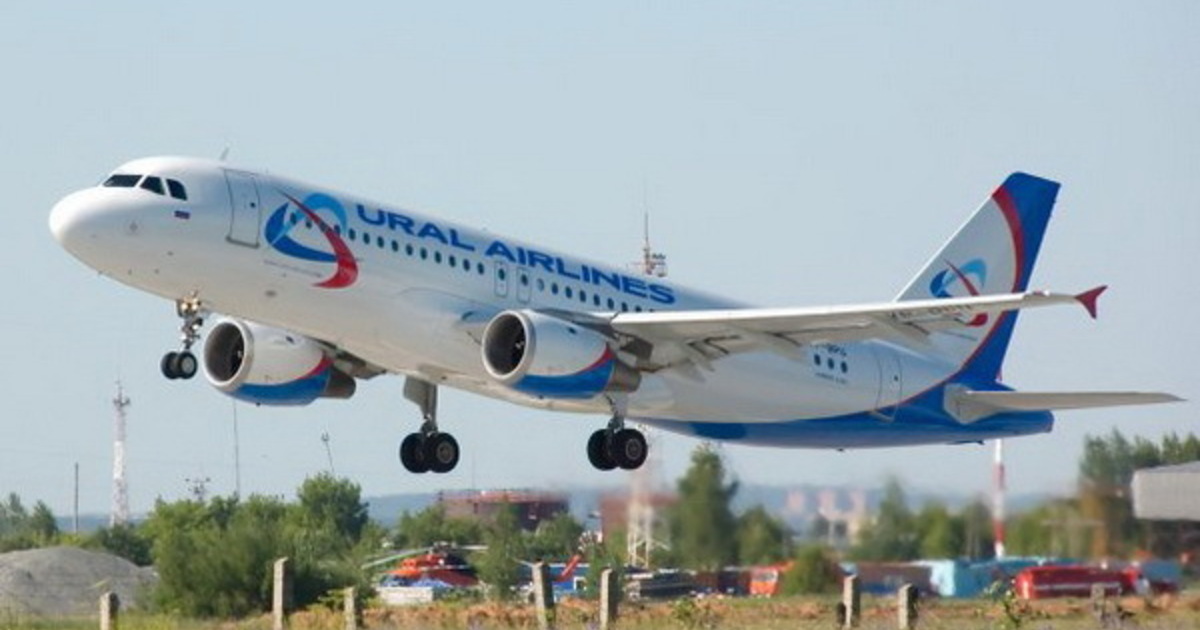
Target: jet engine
[
  {"x": 545, "y": 356},
  {"x": 269, "y": 366}
]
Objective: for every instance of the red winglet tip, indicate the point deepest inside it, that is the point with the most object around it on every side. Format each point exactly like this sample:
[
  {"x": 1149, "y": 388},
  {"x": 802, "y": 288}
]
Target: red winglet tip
[{"x": 1089, "y": 298}]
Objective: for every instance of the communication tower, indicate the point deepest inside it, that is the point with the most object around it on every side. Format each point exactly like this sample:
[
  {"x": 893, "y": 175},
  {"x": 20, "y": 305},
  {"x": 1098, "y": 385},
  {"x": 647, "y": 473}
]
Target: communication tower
[
  {"x": 120, "y": 492},
  {"x": 641, "y": 512}
]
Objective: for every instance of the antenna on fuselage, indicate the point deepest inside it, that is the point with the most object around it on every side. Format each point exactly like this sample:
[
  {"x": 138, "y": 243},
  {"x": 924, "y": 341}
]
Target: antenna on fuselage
[{"x": 224, "y": 154}]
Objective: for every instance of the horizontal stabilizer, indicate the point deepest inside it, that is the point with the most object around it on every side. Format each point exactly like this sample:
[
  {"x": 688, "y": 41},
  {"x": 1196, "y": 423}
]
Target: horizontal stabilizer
[{"x": 968, "y": 406}]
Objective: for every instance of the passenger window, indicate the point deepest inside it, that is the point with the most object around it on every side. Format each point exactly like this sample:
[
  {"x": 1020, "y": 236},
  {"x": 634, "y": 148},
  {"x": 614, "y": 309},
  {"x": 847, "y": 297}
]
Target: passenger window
[
  {"x": 153, "y": 184},
  {"x": 178, "y": 191},
  {"x": 122, "y": 181}
]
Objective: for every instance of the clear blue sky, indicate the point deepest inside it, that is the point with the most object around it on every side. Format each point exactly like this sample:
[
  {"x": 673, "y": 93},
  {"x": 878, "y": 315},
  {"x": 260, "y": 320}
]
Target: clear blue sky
[{"x": 791, "y": 154}]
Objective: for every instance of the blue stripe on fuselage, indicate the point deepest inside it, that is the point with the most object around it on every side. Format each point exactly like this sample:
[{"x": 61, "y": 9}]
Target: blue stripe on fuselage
[{"x": 919, "y": 421}]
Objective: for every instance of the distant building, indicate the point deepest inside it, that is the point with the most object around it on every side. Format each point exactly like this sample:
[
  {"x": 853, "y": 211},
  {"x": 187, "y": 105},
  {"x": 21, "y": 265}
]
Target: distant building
[
  {"x": 532, "y": 507},
  {"x": 1167, "y": 493}
]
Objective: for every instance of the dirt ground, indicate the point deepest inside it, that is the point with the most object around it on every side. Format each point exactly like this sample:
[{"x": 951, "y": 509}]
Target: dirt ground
[{"x": 1168, "y": 612}]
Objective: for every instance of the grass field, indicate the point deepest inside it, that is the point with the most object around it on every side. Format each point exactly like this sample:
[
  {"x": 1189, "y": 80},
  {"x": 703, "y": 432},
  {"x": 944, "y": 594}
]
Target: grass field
[{"x": 777, "y": 614}]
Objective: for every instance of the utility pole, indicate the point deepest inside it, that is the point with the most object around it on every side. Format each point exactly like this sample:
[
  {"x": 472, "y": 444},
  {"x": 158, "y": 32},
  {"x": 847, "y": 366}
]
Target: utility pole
[
  {"x": 75, "y": 506},
  {"x": 237, "y": 455},
  {"x": 998, "y": 500}
]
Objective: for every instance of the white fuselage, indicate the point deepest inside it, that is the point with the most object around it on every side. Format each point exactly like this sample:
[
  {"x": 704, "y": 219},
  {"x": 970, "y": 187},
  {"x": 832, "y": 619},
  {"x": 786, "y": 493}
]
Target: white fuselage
[{"x": 423, "y": 288}]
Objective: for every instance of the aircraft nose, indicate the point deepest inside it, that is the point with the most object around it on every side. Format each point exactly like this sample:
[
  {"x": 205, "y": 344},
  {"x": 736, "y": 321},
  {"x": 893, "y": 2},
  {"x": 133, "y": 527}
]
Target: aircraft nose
[{"x": 70, "y": 219}]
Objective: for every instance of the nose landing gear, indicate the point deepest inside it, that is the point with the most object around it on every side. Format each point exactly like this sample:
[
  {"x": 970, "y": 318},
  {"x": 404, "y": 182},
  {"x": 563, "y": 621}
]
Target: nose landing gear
[{"x": 183, "y": 364}]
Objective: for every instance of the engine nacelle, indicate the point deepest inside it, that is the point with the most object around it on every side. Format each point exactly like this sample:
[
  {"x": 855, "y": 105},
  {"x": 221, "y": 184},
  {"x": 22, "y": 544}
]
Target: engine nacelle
[
  {"x": 546, "y": 356},
  {"x": 269, "y": 366}
]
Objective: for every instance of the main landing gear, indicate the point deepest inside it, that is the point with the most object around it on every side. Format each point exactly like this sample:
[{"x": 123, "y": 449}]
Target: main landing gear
[
  {"x": 183, "y": 364},
  {"x": 616, "y": 446},
  {"x": 428, "y": 450}
]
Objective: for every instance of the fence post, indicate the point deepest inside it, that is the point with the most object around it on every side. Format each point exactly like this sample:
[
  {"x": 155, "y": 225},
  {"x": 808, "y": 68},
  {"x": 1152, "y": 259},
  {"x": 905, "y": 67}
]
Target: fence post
[
  {"x": 1100, "y": 604},
  {"x": 906, "y": 607},
  {"x": 110, "y": 609},
  {"x": 350, "y": 604},
  {"x": 610, "y": 598},
  {"x": 543, "y": 595},
  {"x": 852, "y": 601},
  {"x": 281, "y": 595}
]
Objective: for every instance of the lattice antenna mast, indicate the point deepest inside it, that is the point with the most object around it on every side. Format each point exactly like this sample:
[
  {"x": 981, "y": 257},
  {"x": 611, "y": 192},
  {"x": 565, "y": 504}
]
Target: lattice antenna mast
[
  {"x": 653, "y": 263},
  {"x": 120, "y": 492},
  {"x": 641, "y": 512}
]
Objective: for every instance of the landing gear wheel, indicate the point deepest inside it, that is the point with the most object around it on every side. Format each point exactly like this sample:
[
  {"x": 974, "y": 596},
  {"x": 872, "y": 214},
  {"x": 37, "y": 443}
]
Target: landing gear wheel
[
  {"x": 168, "y": 365},
  {"x": 441, "y": 452},
  {"x": 178, "y": 365},
  {"x": 412, "y": 453},
  {"x": 628, "y": 449},
  {"x": 185, "y": 365},
  {"x": 597, "y": 451}
]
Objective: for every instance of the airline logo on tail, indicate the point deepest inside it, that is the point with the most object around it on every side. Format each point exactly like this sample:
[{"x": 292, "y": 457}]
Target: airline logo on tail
[
  {"x": 961, "y": 281},
  {"x": 278, "y": 234}
]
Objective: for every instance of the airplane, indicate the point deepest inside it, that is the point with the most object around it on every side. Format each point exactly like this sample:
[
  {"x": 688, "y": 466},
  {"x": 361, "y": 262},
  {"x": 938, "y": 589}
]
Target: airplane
[{"x": 318, "y": 289}]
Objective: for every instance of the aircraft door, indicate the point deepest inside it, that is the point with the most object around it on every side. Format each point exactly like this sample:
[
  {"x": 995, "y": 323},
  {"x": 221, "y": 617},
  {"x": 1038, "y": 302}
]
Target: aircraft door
[
  {"x": 891, "y": 383},
  {"x": 501, "y": 272},
  {"x": 524, "y": 285},
  {"x": 244, "y": 204}
]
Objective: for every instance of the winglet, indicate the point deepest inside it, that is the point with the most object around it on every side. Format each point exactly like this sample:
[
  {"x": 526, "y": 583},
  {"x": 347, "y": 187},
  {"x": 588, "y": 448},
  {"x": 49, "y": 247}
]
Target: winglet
[{"x": 1088, "y": 299}]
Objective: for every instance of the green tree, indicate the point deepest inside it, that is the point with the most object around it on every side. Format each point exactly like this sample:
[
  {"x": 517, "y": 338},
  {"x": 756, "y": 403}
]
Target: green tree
[
  {"x": 814, "y": 572},
  {"x": 124, "y": 540},
  {"x": 891, "y": 536},
  {"x": 42, "y": 525},
  {"x": 22, "y": 529},
  {"x": 940, "y": 532},
  {"x": 556, "y": 538},
  {"x": 431, "y": 525},
  {"x": 334, "y": 505},
  {"x": 979, "y": 539},
  {"x": 702, "y": 525},
  {"x": 500, "y": 565},
  {"x": 761, "y": 538},
  {"x": 214, "y": 558}
]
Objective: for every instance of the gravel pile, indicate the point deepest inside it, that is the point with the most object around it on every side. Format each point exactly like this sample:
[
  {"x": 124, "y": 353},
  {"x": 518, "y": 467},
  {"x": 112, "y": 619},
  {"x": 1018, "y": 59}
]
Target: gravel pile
[{"x": 65, "y": 581}]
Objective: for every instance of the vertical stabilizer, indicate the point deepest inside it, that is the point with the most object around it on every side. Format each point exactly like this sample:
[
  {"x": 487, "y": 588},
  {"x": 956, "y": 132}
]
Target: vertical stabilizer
[{"x": 992, "y": 253}]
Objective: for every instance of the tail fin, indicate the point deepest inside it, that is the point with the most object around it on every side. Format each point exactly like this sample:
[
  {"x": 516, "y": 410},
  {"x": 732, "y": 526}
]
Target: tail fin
[{"x": 992, "y": 253}]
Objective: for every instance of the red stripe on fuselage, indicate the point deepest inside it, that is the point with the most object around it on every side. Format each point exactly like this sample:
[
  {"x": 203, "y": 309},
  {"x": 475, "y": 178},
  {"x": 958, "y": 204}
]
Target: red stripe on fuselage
[{"x": 347, "y": 268}]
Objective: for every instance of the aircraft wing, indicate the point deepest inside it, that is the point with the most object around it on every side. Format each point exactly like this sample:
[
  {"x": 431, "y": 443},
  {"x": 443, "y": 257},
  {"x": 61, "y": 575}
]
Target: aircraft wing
[{"x": 699, "y": 337}]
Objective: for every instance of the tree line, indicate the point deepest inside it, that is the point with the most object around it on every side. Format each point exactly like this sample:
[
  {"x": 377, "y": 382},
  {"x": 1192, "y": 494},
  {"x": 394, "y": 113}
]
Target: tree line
[{"x": 213, "y": 556}]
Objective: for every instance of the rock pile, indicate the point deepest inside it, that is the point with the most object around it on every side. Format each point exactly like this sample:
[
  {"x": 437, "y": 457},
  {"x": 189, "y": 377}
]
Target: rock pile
[{"x": 67, "y": 581}]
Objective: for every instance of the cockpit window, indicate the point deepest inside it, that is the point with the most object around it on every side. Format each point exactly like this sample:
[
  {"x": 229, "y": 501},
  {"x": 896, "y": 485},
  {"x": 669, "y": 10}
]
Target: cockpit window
[
  {"x": 177, "y": 189},
  {"x": 122, "y": 181},
  {"x": 153, "y": 184}
]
